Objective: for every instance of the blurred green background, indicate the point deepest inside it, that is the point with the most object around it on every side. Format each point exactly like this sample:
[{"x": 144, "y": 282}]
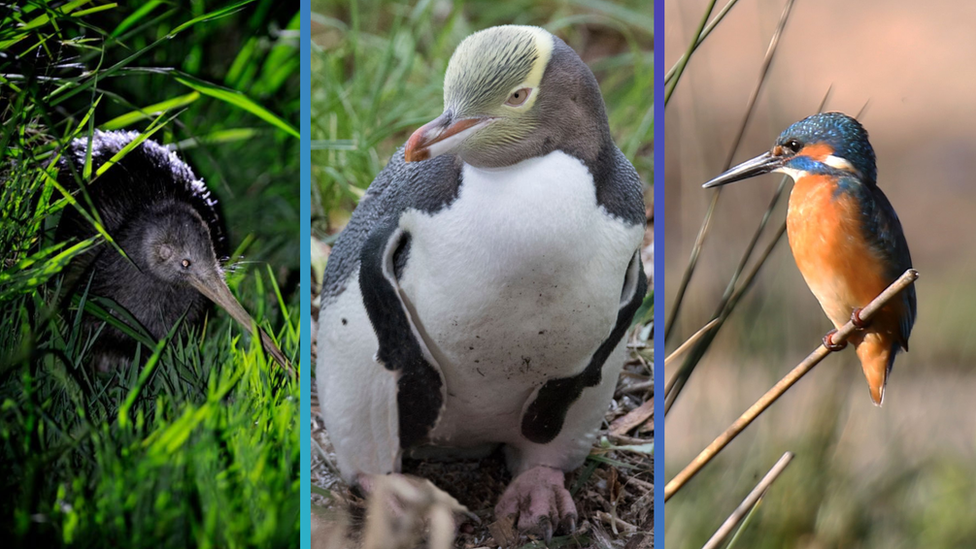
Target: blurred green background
[
  {"x": 200, "y": 447},
  {"x": 900, "y": 476}
]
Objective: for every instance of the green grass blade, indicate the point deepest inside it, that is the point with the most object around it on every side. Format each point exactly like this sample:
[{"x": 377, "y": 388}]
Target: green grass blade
[
  {"x": 223, "y": 12},
  {"x": 127, "y": 119},
  {"x": 238, "y": 100},
  {"x": 132, "y": 19}
]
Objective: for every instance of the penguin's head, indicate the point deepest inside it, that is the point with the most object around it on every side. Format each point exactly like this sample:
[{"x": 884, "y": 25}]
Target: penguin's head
[{"x": 512, "y": 93}]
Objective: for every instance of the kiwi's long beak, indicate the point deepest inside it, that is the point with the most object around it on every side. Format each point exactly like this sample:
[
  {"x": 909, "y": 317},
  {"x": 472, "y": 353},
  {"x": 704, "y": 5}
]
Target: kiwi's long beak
[
  {"x": 212, "y": 284},
  {"x": 441, "y": 135},
  {"x": 759, "y": 165}
]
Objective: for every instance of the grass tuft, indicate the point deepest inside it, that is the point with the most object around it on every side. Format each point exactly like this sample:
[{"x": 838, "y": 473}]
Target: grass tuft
[{"x": 196, "y": 443}]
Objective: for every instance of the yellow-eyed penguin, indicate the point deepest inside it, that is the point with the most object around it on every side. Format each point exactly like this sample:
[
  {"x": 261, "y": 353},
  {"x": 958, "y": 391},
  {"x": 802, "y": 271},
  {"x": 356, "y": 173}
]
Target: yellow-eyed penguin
[{"x": 483, "y": 287}]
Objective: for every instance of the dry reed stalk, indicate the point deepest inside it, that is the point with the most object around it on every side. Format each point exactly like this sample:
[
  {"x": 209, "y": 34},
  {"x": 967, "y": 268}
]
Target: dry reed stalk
[
  {"x": 764, "y": 402},
  {"x": 747, "y": 504}
]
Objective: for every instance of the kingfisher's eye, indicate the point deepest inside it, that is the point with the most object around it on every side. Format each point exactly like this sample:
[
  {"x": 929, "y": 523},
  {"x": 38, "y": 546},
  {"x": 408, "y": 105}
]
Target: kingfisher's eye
[
  {"x": 185, "y": 263},
  {"x": 518, "y": 97},
  {"x": 793, "y": 146}
]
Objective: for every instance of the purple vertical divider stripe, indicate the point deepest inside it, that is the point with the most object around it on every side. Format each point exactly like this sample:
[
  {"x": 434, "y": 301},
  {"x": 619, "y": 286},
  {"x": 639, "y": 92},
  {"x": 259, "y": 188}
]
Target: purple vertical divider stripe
[
  {"x": 659, "y": 232},
  {"x": 305, "y": 282}
]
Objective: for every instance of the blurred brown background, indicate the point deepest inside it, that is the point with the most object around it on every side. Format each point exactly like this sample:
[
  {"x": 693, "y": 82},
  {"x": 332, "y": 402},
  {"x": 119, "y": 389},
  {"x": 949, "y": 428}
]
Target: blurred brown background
[{"x": 899, "y": 476}]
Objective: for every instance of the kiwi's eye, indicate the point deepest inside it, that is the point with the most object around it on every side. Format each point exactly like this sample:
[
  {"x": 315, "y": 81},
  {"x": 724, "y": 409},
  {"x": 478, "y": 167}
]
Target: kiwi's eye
[
  {"x": 793, "y": 146},
  {"x": 518, "y": 97},
  {"x": 186, "y": 263}
]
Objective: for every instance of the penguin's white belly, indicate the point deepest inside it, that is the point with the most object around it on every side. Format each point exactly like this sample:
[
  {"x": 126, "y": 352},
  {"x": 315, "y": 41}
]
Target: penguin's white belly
[{"x": 517, "y": 282}]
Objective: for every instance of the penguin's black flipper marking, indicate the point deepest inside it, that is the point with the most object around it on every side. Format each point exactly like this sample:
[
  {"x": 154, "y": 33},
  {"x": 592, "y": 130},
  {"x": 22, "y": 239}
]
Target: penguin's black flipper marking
[
  {"x": 544, "y": 418},
  {"x": 420, "y": 388}
]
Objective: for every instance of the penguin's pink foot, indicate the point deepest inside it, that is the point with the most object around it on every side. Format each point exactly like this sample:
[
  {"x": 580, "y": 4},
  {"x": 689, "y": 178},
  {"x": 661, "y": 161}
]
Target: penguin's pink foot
[
  {"x": 540, "y": 502},
  {"x": 828, "y": 342}
]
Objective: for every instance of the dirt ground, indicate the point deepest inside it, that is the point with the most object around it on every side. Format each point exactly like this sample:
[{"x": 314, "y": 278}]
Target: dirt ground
[{"x": 624, "y": 490}]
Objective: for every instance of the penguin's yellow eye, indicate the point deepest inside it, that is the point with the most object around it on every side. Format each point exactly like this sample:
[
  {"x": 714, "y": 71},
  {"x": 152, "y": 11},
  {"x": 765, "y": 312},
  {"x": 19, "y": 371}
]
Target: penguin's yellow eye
[{"x": 518, "y": 97}]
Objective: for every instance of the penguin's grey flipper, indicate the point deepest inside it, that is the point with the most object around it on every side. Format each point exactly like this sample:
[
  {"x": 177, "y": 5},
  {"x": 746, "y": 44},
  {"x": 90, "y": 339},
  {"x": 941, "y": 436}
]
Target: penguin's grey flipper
[
  {"x": 358, "y": 398},
  {"x": 402, "y": 349},
  {"x": 545, "y": 416}
]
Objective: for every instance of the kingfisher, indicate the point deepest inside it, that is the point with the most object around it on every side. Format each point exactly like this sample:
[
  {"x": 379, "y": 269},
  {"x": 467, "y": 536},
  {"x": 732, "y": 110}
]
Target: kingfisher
[{"x": 844, "y": 233}]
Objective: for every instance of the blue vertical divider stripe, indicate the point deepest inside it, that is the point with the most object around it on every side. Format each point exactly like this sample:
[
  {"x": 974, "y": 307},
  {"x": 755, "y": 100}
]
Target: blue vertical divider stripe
[
  {"x": 659, "y": 231},
  {"x": 306, "y": 276}
]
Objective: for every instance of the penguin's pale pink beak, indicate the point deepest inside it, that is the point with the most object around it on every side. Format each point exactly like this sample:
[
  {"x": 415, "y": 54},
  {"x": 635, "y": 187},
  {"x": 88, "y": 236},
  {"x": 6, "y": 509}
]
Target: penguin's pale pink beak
[{"x": 441, "y": 135}]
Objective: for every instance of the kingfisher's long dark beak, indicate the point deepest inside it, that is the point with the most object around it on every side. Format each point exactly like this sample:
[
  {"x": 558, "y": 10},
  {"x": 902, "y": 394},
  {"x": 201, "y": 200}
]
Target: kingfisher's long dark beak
[
  {"x": 211, "y": 284},
  {"x": 764, "y": 163}
]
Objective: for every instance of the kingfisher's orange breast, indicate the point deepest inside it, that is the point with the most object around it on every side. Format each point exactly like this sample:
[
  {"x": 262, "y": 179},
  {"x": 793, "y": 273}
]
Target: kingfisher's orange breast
[{"x": 837, "y": 262}]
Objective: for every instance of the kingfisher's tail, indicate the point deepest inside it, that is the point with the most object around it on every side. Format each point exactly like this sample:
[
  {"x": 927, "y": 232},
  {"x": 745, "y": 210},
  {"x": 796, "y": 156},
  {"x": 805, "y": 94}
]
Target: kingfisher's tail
[{"x": 877, "y": 353}]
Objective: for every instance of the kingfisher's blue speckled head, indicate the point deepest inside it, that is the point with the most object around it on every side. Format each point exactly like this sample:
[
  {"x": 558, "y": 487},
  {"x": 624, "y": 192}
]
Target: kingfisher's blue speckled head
[{"x": 826, "y": 144}]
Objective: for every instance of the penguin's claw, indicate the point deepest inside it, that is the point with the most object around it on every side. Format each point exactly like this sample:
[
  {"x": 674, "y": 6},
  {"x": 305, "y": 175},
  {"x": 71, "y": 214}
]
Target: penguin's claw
[
  {"x": 545, "y": 524},
  {"x": 571, "y": 524},
  {"x": 539, "y": 500}
]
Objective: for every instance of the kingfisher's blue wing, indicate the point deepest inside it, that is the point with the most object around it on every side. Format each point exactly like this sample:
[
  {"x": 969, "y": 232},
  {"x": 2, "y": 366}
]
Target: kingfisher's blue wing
[{"x": 884, "y": 232}]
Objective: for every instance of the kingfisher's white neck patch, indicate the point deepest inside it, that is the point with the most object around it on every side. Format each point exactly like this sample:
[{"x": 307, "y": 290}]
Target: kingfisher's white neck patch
[
  {"x": 792, "y": 172},
  {"x": 839, "y": 163},
  {"x": 816, "y": 166}
]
